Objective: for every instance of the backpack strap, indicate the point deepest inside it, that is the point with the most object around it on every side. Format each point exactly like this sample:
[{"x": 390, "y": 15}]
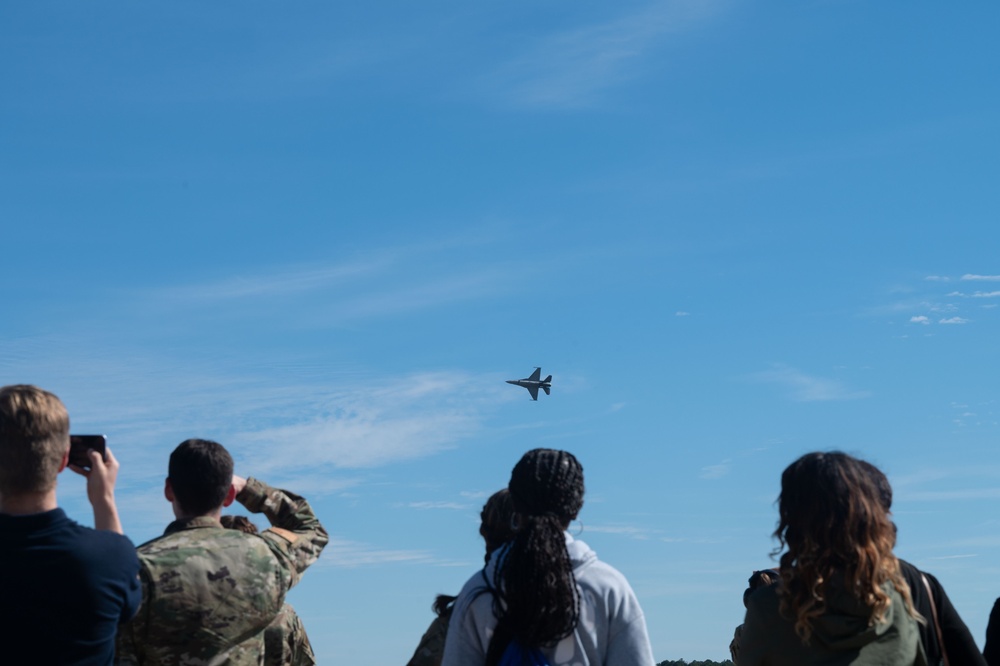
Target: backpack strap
[{"x": 937, "y": 624}]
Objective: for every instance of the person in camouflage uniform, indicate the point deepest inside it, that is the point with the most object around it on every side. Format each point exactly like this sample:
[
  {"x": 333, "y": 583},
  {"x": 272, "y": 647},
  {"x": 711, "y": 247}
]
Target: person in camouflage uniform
[
  {"x": 285, "y": 640},
  {"x": 208, "y": 593},
  {"x": 495, "y": 528}
]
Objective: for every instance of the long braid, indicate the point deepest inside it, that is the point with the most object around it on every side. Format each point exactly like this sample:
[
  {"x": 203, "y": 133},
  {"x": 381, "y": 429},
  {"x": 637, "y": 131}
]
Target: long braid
[{"x": 538, "y": 602}]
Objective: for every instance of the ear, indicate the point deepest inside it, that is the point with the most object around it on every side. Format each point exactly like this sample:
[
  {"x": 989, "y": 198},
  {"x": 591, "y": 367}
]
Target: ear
[
  {"x": 230, "y": 495},
  {"x": 168, "y": 491},
  {"x": 64, "y": 461}
]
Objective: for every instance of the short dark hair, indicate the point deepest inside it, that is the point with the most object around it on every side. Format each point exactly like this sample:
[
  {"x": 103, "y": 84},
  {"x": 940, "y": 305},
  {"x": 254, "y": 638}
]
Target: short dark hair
[
  {"x": 881, "y": 482},
  {"x": 200, "y": 474},
  {"x": 496, "y": 521}
]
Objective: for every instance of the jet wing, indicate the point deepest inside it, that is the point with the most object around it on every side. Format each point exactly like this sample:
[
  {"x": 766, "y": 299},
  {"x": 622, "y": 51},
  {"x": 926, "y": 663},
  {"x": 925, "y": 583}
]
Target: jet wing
[
  {"x": 535, "y": 375},
  {"x": 533, "y": 390}
]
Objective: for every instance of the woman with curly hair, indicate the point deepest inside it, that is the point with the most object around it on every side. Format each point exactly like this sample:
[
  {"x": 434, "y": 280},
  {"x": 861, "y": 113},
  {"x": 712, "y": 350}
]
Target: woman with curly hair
[
  {"x": 841, "y": 598},
  {"x": 544, "y": 597}
]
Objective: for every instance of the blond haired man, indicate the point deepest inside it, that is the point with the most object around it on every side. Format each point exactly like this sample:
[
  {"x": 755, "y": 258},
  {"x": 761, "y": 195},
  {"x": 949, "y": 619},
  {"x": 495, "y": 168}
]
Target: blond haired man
[{"x": 65, "y": 587}]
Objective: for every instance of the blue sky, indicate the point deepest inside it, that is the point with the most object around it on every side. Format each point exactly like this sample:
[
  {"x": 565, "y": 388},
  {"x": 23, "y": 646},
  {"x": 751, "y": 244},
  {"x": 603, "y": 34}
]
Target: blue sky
[{"x": 324, "y": 234}]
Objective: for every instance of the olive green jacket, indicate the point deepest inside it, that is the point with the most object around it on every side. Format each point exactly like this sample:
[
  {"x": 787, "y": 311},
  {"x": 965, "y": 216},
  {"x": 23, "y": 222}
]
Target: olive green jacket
[{"x": 842, "y": 636}]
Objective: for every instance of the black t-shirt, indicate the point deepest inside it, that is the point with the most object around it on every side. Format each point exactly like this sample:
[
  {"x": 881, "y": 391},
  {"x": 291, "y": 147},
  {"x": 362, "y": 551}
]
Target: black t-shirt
[{"x": 63, "y": 590}]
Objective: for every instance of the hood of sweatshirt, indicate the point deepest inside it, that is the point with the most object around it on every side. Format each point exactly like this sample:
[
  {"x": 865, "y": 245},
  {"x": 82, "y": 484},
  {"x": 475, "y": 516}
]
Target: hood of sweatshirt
[
  {"x": 580, "y": 555},
  {"x": 847, "y": 625}
]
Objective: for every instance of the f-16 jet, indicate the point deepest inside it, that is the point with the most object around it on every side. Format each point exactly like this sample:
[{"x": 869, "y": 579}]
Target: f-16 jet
[{"x": 533, "y": 383}]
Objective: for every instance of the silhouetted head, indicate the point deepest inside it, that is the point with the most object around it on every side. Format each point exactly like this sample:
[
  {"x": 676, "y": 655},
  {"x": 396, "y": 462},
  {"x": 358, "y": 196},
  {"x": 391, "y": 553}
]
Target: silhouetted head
[
  {"x": 200, "y": 474},
  {"x": 538, "y": 601},
  {"x": 547, "y": 482},
  {"x": 496, "y": 521},
  {"x": 836, "y": 528},
  {"x": 34, "y": 439},
  {"x": 881, "y": 482},
  {"x": 759, "y": 579}
]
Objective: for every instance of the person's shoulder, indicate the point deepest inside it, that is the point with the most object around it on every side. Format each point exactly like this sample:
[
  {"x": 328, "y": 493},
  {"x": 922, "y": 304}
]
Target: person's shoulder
[
  {"x": 476, "y": 584},
  {"x": 178, "y": 546},
  {"x": 765, "y": 599},
  {"x": 101, "y": 543},
  {"x": 476, "y": 593},
  {"x": 593, "y": 572},
  {"x": 103, "y": 557},
  {"x": 911, "y": 574}
]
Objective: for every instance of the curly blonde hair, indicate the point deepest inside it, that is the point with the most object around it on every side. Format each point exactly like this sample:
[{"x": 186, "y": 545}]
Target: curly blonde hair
[{"x": 838, "y": 535}]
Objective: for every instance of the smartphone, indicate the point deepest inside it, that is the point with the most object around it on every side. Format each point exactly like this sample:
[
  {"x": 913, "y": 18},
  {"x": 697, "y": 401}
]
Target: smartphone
[{"x": 80, "y": 444}]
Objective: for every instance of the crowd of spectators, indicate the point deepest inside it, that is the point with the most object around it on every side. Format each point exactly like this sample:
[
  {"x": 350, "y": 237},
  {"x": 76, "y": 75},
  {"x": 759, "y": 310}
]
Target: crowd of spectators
[{"x": 212, "y": 588}]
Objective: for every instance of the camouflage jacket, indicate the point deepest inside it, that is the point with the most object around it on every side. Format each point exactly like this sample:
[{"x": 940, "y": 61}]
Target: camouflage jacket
[
  {"x": 208, "y": 592},
  {"x": 286, "y": 642}
]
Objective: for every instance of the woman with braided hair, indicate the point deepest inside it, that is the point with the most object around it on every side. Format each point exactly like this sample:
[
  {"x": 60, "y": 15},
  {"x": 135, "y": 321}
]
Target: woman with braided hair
[
  {"x": 544, "y": 597},
  {"x": 841, "y": 598}
]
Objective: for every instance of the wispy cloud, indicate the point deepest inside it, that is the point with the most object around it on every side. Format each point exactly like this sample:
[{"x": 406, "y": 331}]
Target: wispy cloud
[
  {"x": 571, "y": 68},
  {"x": 963, "y": 473},
  {"x": 451, "y": 506},
  {"x": 385, "y": 283},
  {"x": 277, "y": 283},
  {"x": 352, "y": 554},
  {"x": 976, "y": 294},
  {"x": 631, "y": 531},
  {"x": 717, "y": 471},
  {"x": 373, "y": 425},
  {"x": 950, "y": 495},
  {"x": 807, "y": 388},
  {"x": 901, "y": 307},
  {"x": 934, "y": 485},
  {"x": 692, "y": 540},
  {"x": 931, "y": 304},
  {"x": 316, "y": 426}
]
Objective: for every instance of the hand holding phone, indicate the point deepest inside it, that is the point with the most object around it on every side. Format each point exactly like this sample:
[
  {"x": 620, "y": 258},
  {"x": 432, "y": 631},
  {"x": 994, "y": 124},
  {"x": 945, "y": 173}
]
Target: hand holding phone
[
  {"x": 101, "y": 471},
  {"x": 79, "y": 445}
]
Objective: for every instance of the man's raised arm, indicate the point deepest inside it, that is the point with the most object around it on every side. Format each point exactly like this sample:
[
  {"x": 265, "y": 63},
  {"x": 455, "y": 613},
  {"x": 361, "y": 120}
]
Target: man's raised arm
[
  {"x": 296, "y": 534},
  {"x": 101, "y": 479}
]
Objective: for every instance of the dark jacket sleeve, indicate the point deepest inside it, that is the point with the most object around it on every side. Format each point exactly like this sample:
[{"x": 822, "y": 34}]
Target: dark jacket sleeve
[
  {"x": 992, "y": 650},
  {"x": 959, "y": 645},
  {"x": 758, "y": 630}
]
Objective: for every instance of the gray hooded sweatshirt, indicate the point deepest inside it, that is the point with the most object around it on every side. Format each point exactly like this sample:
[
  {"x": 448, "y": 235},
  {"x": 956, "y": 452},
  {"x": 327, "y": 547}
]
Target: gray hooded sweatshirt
[{"x": 611, "y": 631}]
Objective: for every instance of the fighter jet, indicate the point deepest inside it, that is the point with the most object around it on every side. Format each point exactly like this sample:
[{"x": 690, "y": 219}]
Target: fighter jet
[{"x": 533, "y": 383}]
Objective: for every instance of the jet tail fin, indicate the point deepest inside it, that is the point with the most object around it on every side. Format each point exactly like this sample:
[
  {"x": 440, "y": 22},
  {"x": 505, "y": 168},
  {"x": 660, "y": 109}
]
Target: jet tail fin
[
  {"x": 547, "y": 390},
  {"x": 547, "y": 379}
]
